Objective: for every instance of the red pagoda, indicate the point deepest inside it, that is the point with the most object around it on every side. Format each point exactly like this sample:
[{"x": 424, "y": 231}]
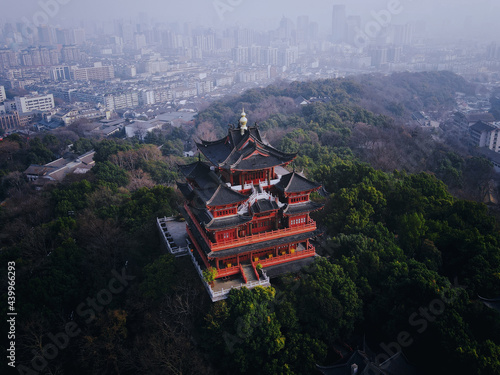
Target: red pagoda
[{"x": 243, "y": 208}]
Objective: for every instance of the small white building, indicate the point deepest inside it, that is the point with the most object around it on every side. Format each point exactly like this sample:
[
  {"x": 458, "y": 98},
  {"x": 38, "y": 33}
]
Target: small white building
[
  {"x": 141, "y": 128},
  {"x": 26, "y": 104}
]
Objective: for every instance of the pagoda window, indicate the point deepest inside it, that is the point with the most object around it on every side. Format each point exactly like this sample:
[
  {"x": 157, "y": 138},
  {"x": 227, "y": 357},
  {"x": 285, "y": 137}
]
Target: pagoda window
[
  {"x": 303, "y": 198},
  {"x": 229, "y": 211},
  {"x": 298, "y": 221}
]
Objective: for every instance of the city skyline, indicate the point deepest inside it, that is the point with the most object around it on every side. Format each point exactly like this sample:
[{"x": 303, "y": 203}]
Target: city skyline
[{"x": 462, "y": 19}]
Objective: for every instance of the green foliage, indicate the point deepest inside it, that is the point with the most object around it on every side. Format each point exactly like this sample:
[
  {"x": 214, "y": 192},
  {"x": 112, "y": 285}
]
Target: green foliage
[
  {"x": 70, "y": 199},
  {"x": 327, "y": 302},
  {"x": 39, "y": 153},
  {"x": 210, "y": 274},
  {"x": 147, "y": 204},
  {"x": 253, "y": 339},
  {"x": 107, "y": 147},
  {"x": 158, "y": 278},
  {"x": 109, "y": 174},
  {"x": 83, "y": 145}
]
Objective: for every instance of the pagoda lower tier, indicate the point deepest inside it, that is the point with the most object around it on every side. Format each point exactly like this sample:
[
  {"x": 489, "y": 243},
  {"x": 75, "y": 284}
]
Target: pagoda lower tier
[{"x": 267, "y": 249}]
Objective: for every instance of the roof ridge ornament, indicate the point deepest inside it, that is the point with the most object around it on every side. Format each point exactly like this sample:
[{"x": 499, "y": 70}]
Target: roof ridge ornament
[{"x": 243, "y": 121}]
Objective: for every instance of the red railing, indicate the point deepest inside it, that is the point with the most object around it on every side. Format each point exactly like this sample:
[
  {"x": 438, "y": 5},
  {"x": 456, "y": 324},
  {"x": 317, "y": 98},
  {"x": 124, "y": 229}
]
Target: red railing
[
  {"x": 195, "y": 243},
  {"x": 243, "y": 274},
  {"x": 287, "y": 257},
  {"x": 255, "y": 271},
  {"x": 264, "y": 236},
  {"x": 258, "y": 237},
  {"x": 223, "y": 272}
]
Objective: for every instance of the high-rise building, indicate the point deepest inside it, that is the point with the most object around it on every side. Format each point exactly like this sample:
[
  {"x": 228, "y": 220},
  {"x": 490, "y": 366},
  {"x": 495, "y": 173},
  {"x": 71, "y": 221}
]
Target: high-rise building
[
  {"x": 65, "y": 36},
  {"x": 353, "y": 28},
  {"x": 60, "y": 73},
  {"x": 8, "y": 59},
  {"x": 240, "y": 55},
  {"x": 493, "y": 51},
  {"x": 3, "y": 97},
  {"x": 269, "y": 56},
  {"x": 288, "y": 56},
  {"x": 46, "y": 35},
  {"x": 70, "y": 54},
  {"x": 394, "y": 54},
  {"x": 79, "y": 36},
  {"x": 31, "y": 103},
  {"x": 9, "y": 121},
  {"x": 402, "y": 34},
  {"x": 95, "y": 73},
  {"x": 379, "y": 56},
  {"x": 339, "y": 24},
  {"x": 303, "y": 29}
]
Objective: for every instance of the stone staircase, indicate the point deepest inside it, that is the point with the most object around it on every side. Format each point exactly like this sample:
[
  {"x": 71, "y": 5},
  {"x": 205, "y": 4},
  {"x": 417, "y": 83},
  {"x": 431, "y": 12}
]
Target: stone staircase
[{"x": 249, "y": 273}]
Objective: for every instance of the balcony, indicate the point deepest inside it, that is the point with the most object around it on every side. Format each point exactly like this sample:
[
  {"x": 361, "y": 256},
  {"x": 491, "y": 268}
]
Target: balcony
[
  {"x": 309, "y": 252},
  {"x": 247, "y": 240},
  {"x": 264, "y": 236}
]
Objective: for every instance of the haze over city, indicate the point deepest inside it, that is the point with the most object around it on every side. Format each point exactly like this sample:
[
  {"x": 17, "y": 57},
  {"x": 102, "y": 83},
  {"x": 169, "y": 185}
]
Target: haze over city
[{"x": 450, "y": 19}]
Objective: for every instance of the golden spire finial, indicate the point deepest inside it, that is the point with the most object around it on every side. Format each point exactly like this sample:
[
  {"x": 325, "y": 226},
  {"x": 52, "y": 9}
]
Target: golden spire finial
[{"x": 243, "y": 121}]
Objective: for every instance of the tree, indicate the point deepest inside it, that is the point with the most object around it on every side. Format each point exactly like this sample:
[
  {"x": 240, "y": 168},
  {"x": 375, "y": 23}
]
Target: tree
[
  {"x": 209, "y": 275},
  {"x": 327, "y": 302},
  {"x": 158, "y": 278},
  {"x": 110, "y": 174}
]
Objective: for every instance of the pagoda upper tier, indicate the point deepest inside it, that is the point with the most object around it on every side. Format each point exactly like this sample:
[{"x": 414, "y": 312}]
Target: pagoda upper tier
[{"x": 243, "y": 149}]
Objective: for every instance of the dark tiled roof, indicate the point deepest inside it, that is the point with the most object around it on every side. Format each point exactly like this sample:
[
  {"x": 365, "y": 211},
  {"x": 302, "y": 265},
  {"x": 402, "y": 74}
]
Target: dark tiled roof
[
  {"x": 395, "y": 365},
  {"x": 491, "y": 303},
  {"x": 295, "y": 183},
  {"x": 186, "y": 190},
  {"x": 217, "y": 152},
  {"x": 398, "y": 365},
  {"x": 201, "y": 173},
  {"x": 300, "y": 208},
  {"x": 243, "y": 152},
  {"x": 482, "y": 127},
  {"x": 486, "y": 116},
  {"x": 260, "y": 245},
  {"x": 219, "y": 223},
  {"x": 228, "y": 222},
  {"x": 264, "y": 205},
  {"x": 220, "y": 195},
  {"x": 39, "y": 170}
]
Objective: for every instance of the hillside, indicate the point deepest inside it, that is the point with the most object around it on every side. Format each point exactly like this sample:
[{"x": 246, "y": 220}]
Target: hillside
[{"x": 403, "y": 260}]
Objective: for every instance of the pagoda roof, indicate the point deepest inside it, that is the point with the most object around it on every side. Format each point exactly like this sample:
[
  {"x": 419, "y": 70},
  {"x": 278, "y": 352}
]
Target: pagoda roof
[
  {"x": 300, "y": 208},
  {"x": 295, "y": 183},
  {"x": 219, "y": 223},
  {"x": 260, "y": 245},
  {"x": 186, "y": 190},
  {"x": 220, "y": 195},
  {"x": 247, "y": 151},
  {"x": 264, "y": 205},
  {"x": 201, "y": 173}
]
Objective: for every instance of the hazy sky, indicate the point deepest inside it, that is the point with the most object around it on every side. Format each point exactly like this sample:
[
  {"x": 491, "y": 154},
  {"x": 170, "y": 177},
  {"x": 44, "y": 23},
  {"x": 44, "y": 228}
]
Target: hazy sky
[{"x": 450, "y": 17}]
